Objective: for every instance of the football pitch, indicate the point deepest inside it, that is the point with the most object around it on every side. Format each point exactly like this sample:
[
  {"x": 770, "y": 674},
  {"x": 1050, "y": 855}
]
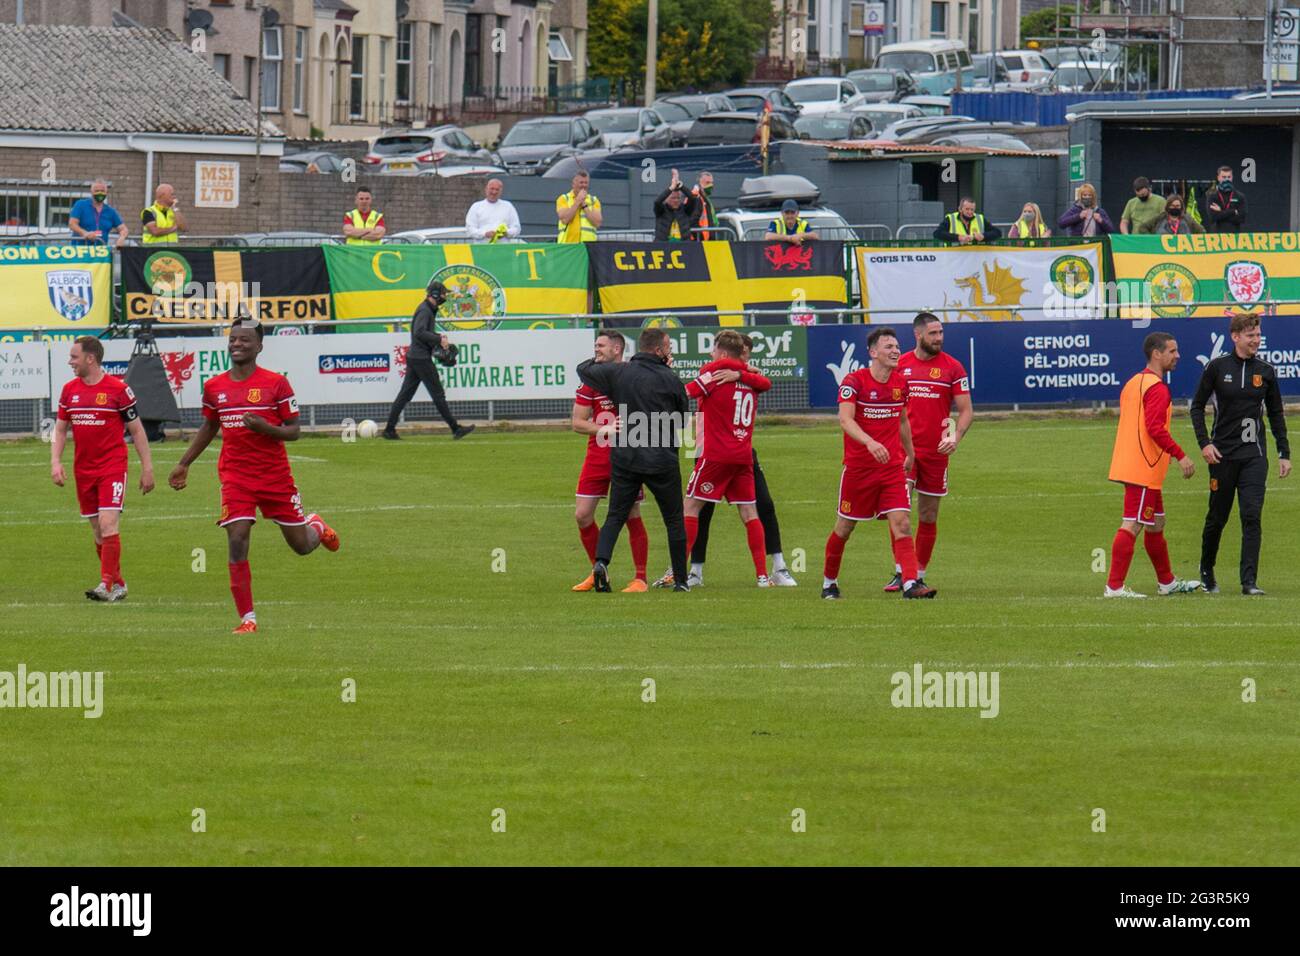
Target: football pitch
[{"x": 501, "y": 719}]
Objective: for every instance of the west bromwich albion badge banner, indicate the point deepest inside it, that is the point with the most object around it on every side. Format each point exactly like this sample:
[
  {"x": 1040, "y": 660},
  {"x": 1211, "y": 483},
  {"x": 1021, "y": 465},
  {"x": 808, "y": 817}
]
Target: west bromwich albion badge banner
[
  {"x": 56, "y": 286},
  {"x": 703, "y": 277}
]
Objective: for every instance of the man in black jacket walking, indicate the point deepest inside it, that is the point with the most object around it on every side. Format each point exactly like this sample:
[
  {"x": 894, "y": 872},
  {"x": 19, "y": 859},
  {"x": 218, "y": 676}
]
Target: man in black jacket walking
[
  {"x": 1242, "y": 387},
  {"x": 426, "y": 345},
  {"x": 652, "y": 411}
]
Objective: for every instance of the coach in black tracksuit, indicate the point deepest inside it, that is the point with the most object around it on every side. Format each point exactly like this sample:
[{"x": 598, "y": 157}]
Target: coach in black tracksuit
[
  {"x": 426, "y": 344},
  {"x": 652, "y": 405},
  {"x": 1243, "y": 387}
]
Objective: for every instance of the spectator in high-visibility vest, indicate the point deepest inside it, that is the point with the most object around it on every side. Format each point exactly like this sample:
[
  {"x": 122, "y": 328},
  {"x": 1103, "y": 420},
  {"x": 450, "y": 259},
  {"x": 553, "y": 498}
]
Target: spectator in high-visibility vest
[
  {"x": 578, "y": 212},
  {"x": 162, "y": 221},
  {"x": 1030, "y": 225},
  {"x": 966, "y": 225},
  {"x": 707, "y": 220},
  {"x": 364, "y": 226},
  {"x": 788, "y": 227}
]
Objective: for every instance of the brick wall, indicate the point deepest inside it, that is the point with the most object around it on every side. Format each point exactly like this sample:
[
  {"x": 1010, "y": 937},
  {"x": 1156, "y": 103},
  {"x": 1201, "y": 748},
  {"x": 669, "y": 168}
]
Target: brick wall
[{"x": 317, "y": 203}]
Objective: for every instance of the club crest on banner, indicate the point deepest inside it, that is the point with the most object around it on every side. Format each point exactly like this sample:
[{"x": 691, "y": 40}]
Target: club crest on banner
[
  {"x": 475, "y": 299},
  {"x": 72, "y": 292}
]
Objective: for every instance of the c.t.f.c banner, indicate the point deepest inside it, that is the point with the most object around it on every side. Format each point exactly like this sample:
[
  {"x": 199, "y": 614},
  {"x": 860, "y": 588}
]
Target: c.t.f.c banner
[
  {"x": 56, "y": 286},
  {"x": 486, "y": 283},
  {"x": 980, "y": 283},
  {"x": 681, "y": 278}
]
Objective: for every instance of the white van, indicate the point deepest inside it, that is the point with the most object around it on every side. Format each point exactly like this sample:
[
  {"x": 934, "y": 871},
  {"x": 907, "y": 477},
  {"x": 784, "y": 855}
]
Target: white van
[{"x": 934, "y": 64}]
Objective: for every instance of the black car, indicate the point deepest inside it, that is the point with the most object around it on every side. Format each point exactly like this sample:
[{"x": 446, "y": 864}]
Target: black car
[
  {"x": 532, "y": 145},
  {"x": 720, "y": 129},
  {"x": 680, "y": 112},
  {"x": 751, "y": 99},
  {"x": 882, "y": 86}
]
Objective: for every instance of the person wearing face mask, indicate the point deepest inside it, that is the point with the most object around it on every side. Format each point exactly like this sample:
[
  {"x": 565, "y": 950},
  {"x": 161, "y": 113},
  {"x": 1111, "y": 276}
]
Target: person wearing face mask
[
  {"x": 1030, "y": 225},
  {"x": 1223, "y": 209},
  {"x": 1086, "y": 217},
  {"x": 93, "y": 220},
  {"x": 1173, "y": 222},
  {"x": 706, "y": 219},
  {"x": 1143, "y": 212}
]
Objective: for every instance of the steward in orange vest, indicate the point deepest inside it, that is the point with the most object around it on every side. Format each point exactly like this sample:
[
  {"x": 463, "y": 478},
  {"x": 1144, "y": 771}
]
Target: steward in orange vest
[{"x": 1139, "y": 461}]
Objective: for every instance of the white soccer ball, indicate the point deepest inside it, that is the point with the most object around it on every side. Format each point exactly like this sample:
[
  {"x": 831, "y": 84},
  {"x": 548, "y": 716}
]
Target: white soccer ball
[{"x": 367, "y": 429}]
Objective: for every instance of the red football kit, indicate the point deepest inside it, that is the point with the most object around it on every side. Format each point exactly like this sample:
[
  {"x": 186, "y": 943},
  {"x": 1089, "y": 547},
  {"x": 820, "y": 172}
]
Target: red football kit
[
  {"x": 97, "y": 414},
  {"x": 593, "y": 479},
  {"x": 1144, "y": 505},
  {"x": 725, "y": 466},
  {"x": 932, "y": 384},
  {"x": 253, "y": 468},
  {"x": 868, "y": 488}
]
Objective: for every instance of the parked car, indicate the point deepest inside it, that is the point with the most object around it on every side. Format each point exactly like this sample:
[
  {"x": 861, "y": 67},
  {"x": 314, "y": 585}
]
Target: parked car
[
  {"x": 933, "y": 64},
  {"x": 1026, "y": 67},
  {"x": 1285, "y": 94},
  {"x": 752, "y": 99},
  {"x": 983, "y": 140},
  {"x": 631, "y": 126},
  {"x": 833, "y": 126},
  {"x": 680, "y": 112},
  {"x": 325, "y": 162},
  {"x": 288, "y": 238},
  {"x": 468, "y": 169},
  {"x": 532, "y": 145},
  {"x": 820, "y": 94},
  {"x": 930, "y": 105},
  {"x": 933, "y": 133},
  {"x": 436, "y": 234},
  {"x": 1083, "y": 77},
  {"x": 716, "y": 129},
  {"x": 882, "y": 86},
  {"x": 566, "y": 166},
  {"x": 982, "y": 63},
  {"x": 882, "y": 115},
  {"x": 412, "y": 151},
  {"x": 907, "y": 130}
]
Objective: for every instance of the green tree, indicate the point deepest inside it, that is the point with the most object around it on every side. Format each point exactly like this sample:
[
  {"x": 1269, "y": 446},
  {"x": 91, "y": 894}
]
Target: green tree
[
  {"x": 1043, "y": 23},
  {"x": 700, "y": 45}
]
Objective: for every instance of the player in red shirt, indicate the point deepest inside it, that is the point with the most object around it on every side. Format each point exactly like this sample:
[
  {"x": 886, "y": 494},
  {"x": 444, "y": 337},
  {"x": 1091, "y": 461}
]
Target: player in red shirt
[
  {"x": 94, "y": 405},
  {"x": 256, "y": 413},
  {"x": 936, "y": 382},
  {"x": 594, "y": 416},
  {"x": 877, "y": 456},
  {"x": 726, "y": 390}
]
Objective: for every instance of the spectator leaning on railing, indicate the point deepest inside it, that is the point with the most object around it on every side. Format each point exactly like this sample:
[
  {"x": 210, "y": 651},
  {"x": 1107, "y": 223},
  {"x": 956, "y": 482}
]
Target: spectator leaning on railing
[
  {"x": 1223, "y": 209},
  {"x": 674, "y": 210},
  {"x": 1086, "y": 217},
  {"x": 966, "y": 225},
  {"x": 704, "y": 214},
  {"x": 93, "y": 220},
  {"x": 162, "y": 221},
  {"x": 1143, "y": 211},
  {"x": 1030, "y": 225},
  {"x": 1173, "y": 222},
  {"x": 492, "y": 218},
  {"x": 788, "y": 227},
  {"x": 364, "y": 225},
  {"x": 578, "y": 212}
]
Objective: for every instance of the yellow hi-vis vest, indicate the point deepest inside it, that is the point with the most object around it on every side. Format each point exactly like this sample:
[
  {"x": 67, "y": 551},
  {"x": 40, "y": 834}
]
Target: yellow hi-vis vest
[
  {"x": 1025, "y": 231},
  {"x": 800, "y": 225},
  {"x": 1137, "y": 459},
  {"x": 579, "y": 228},
  {"x": 959, "y": 228},
  {"x": 368, "y": 222},
  {"x": 163, "y": 218}
]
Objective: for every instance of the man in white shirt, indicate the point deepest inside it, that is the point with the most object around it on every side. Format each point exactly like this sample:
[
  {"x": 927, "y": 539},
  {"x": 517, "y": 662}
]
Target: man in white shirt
[{"x": 492, "y": 219}]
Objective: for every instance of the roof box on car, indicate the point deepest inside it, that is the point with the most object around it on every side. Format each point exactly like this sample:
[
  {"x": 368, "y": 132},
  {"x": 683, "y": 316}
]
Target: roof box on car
[{"x": 763, "y": 191}]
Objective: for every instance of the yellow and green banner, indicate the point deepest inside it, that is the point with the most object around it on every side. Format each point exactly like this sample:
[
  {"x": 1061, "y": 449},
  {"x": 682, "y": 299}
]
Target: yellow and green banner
[
  {"x": 487, "y": 283},
  {"x": 1229, "y": 273},
  {"x": 56, "y": 286}
]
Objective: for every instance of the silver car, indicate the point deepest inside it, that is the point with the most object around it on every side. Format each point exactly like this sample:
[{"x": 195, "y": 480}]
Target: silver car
[{"x": 636, "y": 126}]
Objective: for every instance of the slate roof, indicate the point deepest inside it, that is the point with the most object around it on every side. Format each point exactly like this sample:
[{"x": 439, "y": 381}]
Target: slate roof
[{"x": 114, "y": 80}]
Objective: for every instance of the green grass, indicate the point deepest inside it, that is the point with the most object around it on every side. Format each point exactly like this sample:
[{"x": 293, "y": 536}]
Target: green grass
[{"x": 479, "y": 690}]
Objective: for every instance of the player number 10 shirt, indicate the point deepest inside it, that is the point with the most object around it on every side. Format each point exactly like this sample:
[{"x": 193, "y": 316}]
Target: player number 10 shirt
[
  {"x": 877, "y": 408},
  {"x": 248, "y": 459}
]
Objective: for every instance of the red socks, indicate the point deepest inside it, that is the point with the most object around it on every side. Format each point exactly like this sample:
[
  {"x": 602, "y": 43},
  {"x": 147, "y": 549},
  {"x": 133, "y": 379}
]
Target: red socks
[
  {"x": 1158, "y": 552},
  {"x": 241, "y": 586},
  {"x": 925, "y": 535},
  {"x": 757, "y": 545},
  {"x": 589, "y": 535},
  {"x": 905, "y": 556},
  {"x": 110, "y": 559},
  {"x": 639, "y": 540},
  {"x": 692, "y": 529},
  {"x": 1121, "y": 556},
  {"x": 834, "y": 554}
]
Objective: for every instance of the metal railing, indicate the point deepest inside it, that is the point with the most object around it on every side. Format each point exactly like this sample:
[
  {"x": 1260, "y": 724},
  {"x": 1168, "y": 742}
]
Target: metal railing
[{"x": 925, "y": 230}]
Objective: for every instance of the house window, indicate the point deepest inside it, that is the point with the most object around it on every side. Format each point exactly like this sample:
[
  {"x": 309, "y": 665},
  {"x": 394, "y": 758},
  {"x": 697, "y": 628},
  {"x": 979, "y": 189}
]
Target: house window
[
  {"x": 272, "y": 57},
  {"x": 27, "y": 208},
  {"x": 357, "y": 84},
  {"x": 938, "y": 19},
  {"x": 404, "y": 62},
  {"x": 385, "y": 45},
  {"x": 299, "y": 69},
  {"x": 250, "y": 65},
  {"x": 473, "y": 54},
  {"x": 221, "y": 65},
  {"x": 812, "y": 28},
  {"x": 434, "y": 37}
]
